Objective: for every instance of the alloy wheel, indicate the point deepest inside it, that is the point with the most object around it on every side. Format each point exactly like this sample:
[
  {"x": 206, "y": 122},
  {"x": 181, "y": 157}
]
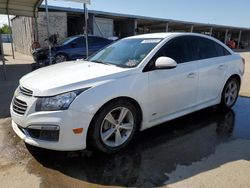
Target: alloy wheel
[
  {"x": 117, "y": 127},
  {"x": 60, "y": 58},
  {"x": 231, "y": 93}
]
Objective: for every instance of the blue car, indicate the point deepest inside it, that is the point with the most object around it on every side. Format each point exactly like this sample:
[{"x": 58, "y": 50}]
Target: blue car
[{"x": 70, "y": 48}]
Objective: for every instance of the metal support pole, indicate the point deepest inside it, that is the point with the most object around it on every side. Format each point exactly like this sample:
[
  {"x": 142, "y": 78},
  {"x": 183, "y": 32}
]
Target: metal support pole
[
  {"x": 167, "y": 25},
  {"x": 12, "y": 47},
  {"x": 86, "y": 29},
  {"x": 192, "y": 28},
  {"x": 36, "y": 30},
  {"x": 226, "y": 33},
  {"x": 239, "y": 38},
  {"x": 2, "y": 58},
  {"x": 211, "y": 31},
  {"x": 48, "y": 31},
  {"x": 135, "y": 27}
]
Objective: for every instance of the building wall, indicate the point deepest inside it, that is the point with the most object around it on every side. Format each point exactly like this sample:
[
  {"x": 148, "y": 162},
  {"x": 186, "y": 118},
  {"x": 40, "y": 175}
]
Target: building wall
[
  {"x": 24, "y": 30},
  {"x": 103, "y": 27},
  {"x": 58, "y": 25},
  {"x": 23, "y": 37},
  {"x": 125, "y": 28}
]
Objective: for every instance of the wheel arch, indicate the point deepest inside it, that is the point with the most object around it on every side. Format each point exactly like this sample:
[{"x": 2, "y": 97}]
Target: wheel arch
[
  {"x": 131, "y": 100},
  {"x": 64, "y": 53},
  {"x": 236, "y": 76}
]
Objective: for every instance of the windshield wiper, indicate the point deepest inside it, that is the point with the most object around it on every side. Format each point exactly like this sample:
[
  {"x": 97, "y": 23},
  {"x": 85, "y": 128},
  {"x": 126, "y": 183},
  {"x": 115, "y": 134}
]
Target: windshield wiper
[
  {"x": 112, "y": 64},
  {"x": 98, "y": 61}
]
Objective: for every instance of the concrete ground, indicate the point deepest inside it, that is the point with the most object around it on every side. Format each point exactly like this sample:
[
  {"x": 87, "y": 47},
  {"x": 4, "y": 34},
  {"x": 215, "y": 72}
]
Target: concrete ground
[{"x": 208, "y": 148}]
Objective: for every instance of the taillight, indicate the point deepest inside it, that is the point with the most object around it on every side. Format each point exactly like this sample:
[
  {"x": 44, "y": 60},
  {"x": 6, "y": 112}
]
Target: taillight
[{"x": 244, "y": 61}]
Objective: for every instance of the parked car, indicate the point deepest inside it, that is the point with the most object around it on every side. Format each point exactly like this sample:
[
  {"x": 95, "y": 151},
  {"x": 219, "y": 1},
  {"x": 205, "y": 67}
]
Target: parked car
[
  {"x": 133, "y": 84},
  {"x": 70, "y": 48}
]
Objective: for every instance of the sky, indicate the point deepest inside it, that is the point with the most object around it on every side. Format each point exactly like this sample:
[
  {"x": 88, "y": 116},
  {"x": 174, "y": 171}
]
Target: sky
[{"x": 227, "y": 12}]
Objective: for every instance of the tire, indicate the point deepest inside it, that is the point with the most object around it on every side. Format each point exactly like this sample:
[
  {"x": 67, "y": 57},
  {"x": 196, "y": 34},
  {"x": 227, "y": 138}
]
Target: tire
[
  {"x": 108, "y": 133},
  {"x": 230, "y": 93},
  {"x": 61, "y": 58}
]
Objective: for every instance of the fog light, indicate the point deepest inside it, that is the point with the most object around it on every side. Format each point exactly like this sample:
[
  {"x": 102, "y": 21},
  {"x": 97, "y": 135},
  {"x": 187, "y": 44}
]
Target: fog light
[
  {"x": 44, "y": 132},
  {"x": 45, "y": 127}
]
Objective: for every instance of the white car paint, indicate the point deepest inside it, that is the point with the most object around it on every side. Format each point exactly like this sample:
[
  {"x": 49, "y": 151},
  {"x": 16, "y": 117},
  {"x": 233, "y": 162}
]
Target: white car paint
[{"x": 162, "y": 94}]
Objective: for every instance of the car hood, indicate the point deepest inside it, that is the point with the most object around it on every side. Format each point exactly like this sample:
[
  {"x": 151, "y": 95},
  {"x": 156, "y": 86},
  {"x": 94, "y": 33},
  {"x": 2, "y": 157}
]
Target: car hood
[{"x": 69, "y": 76}]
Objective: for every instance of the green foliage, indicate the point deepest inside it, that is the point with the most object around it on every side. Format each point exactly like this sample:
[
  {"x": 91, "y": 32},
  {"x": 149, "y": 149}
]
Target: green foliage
[{"x": 5, "y": 29}]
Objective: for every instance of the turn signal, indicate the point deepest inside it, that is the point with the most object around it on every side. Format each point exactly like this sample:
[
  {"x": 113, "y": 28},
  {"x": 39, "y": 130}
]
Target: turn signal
[{"x": 78, "y": 130}]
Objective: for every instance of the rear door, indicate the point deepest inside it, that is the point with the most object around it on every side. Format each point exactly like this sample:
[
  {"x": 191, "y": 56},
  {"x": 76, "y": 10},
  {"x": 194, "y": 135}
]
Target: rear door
[
  {"x": 173, "y": 90},
  {"x": 212, "y": 68}
]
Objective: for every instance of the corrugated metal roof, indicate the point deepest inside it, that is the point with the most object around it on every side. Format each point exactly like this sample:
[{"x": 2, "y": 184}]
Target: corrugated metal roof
[{"x": 19, "y": 7}]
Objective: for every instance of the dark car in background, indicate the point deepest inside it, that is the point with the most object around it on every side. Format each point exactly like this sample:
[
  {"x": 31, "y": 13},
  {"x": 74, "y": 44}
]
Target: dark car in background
[{"x": 70, "y": 48}]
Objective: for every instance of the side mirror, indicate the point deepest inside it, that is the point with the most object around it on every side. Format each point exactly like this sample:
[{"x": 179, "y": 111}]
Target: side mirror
[{"x": 165, "y": 63}]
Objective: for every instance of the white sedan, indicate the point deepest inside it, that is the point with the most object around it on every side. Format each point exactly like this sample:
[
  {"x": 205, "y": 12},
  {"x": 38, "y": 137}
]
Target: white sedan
[{"x": 133, "y": 84}]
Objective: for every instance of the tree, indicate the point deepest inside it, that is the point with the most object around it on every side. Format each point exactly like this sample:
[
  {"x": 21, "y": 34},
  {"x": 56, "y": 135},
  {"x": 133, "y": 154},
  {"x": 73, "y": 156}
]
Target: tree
[{"x": 5, "y": 29}]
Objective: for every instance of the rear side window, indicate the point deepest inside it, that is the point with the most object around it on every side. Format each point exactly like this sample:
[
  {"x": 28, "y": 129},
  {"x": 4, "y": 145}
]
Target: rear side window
[{"x": 204, "y": 48}]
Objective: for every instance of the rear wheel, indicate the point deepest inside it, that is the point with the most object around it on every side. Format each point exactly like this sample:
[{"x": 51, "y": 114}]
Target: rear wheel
[
  {"x": 114, "y": 126},
  {"x": 230, "y": 93},
  {"x": 60, "y": 58}
]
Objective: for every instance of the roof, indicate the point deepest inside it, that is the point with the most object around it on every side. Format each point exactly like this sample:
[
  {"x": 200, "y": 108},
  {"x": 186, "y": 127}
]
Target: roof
[
  {"x": 111, "y": 14},
  {"x": 20, "y": 7},
  {"x": 156, "y": 35}
]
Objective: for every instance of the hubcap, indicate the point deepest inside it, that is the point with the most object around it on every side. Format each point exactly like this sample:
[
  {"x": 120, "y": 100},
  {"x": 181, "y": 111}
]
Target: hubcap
[
  {"x": 117, "y": 127},
  {"x": 231, "y": 93},
  {"x": 60, "y": 58}
]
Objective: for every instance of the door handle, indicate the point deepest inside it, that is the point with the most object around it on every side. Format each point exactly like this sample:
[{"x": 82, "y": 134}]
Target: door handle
[{"x": 191, "y": 75}]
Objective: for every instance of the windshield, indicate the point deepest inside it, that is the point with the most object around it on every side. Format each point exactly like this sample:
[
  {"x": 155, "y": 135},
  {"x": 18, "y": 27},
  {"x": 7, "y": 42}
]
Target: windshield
[
  {"x": 126, "y": 52},
  {"x": 66, "y": 40}
]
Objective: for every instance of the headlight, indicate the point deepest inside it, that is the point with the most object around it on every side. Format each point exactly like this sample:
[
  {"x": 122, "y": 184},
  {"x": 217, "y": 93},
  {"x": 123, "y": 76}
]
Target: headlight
[{"x": 58, "y": 102}]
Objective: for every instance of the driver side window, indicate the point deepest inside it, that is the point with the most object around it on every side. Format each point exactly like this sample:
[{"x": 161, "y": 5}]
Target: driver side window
[{"x": 177, "y": 49}]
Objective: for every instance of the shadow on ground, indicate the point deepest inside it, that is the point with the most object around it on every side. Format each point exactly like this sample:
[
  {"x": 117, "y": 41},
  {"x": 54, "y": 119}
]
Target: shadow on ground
[{"x": 158, "y": 151}]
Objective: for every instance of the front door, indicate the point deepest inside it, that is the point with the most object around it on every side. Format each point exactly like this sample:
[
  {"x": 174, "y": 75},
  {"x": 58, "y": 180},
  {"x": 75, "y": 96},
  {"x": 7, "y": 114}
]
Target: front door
[{"x": 173, "y": 90}]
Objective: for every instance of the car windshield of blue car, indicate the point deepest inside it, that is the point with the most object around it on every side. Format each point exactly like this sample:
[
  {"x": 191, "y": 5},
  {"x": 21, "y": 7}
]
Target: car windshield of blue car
[{"x": 125, "y": 52}]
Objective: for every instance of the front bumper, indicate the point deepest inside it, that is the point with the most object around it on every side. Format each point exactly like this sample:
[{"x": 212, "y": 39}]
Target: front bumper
[{"x": 67, "y": 120}]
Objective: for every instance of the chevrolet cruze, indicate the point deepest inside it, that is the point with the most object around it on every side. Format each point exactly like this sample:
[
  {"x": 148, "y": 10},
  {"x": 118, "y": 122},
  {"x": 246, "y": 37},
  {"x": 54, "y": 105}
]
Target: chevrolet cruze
[{"x": 133, "y": 84}]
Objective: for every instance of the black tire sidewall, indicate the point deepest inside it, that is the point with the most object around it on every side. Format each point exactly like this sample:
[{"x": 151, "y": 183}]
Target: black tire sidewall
[{"x": 95, "y": 128}]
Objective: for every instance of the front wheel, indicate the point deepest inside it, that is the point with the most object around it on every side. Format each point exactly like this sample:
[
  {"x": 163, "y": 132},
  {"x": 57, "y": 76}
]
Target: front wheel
[
  {"x": 230, "y": 93},
  {"x": 114, "y": 126}
]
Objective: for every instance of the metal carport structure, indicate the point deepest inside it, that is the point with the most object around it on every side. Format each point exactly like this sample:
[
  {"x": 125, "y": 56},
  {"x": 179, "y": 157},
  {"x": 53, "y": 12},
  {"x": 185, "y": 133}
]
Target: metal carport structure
[{"x": 19, "y": 8}]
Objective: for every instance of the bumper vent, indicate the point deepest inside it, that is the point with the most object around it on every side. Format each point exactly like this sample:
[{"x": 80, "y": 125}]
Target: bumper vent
[
  {"x": 25, "y": 91},
  {"x": 19, "y": 106}
]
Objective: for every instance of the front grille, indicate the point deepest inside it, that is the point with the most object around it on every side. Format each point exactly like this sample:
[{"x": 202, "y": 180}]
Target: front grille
[
  {"x": 19, "y": 106},
  {"x": 25, "y": 91}
]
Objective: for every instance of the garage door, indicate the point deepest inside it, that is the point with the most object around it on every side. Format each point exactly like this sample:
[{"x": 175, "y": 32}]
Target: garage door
[{"x": 103, "y": 27}]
